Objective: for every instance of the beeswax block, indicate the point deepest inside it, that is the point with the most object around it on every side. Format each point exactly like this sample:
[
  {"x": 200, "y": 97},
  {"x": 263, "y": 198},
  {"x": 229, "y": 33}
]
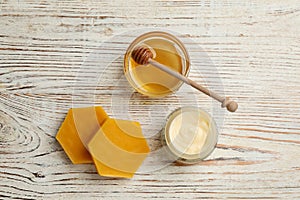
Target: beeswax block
[
  {"x": 76, "y": 131},
  {"x": 118, "y": 148}
]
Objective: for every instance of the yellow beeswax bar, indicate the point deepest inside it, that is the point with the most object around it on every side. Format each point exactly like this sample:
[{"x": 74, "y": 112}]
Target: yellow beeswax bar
[
  {"x": 118, "y": 148},
  {"x": 76, "y": 131}
]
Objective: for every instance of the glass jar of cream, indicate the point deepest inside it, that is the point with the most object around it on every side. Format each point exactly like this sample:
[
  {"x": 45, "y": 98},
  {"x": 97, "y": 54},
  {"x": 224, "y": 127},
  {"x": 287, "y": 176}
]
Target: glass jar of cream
[{"x": 190, "y": 135}]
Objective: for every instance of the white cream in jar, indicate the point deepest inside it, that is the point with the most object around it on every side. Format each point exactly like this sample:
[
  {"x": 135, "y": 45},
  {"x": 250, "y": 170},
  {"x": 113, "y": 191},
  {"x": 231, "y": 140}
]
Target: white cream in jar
[{"x": 190, "y": 134}]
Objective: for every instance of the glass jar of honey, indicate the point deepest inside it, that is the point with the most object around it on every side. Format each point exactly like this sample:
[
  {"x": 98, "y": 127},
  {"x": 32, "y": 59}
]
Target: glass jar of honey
[{"x": 167, "y": 50}]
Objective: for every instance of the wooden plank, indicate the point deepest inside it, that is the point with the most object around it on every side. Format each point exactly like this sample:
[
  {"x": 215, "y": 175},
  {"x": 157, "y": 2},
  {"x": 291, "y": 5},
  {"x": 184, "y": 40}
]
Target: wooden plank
[{"x": 55, "y": 55}]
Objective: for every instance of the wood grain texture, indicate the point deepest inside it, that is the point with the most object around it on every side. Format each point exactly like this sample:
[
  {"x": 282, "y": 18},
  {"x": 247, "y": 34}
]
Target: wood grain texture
[{"x": 253, "y": 46}]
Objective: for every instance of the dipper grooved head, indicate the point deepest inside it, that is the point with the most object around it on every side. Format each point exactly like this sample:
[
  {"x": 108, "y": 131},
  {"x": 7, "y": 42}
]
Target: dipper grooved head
[{"x": 141, "y": 55}]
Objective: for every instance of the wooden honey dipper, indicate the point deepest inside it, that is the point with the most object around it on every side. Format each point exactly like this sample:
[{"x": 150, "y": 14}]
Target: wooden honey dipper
[{"x": 142, "y": 55}]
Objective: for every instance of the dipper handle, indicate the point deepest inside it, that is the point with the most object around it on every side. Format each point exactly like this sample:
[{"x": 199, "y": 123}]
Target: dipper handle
[{"x": 142, "y": 55}]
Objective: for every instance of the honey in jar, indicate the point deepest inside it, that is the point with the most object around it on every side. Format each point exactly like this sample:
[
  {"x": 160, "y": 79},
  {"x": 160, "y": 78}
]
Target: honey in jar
[{"x": 149, "y": 80}]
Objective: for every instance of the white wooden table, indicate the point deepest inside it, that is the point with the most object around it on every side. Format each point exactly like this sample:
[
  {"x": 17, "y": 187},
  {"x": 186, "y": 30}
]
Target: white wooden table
[{"x": 250, "y": 50}]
